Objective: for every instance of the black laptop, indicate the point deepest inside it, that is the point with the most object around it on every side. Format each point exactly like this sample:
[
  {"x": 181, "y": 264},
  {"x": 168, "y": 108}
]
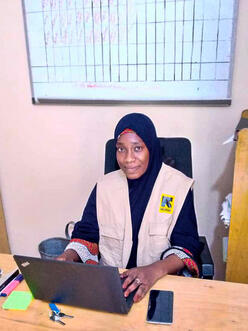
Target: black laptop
[{"x": 76, "y": 284}]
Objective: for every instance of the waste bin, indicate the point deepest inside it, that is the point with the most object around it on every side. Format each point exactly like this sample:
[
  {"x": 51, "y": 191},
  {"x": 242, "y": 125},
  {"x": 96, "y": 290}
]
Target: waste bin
[{"x": 52, "y": 247}]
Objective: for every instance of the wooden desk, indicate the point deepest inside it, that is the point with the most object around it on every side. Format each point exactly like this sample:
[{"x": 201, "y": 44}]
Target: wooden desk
[{"x": 198, "y": 305}]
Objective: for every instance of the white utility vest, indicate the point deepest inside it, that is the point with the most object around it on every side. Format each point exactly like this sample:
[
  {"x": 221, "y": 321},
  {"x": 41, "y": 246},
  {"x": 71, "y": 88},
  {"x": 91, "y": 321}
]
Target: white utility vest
[{"x": 114, "y": 217}]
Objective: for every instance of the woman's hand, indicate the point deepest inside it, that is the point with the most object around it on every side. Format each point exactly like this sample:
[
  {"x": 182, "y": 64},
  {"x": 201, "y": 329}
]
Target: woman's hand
[
  {"x": 140, "y": 278},
  {"x": 143, "y": 278},
  {"x": 69, "y": 255}
]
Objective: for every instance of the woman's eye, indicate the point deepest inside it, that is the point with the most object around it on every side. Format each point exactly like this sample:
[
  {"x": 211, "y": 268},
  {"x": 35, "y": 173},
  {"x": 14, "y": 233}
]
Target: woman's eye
[
  {"x": 138, "y": 148},
  {"x": 120, "y": 149}
]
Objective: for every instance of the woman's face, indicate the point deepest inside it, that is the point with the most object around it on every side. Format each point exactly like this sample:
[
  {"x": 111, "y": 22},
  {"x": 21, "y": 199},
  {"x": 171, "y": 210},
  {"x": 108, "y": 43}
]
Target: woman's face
[{"x": 132, "y": 155}]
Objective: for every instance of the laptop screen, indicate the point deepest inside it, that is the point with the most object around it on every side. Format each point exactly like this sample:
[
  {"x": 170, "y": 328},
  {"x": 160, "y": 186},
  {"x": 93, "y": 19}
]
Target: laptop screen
[{"x": 77, "y": 284}]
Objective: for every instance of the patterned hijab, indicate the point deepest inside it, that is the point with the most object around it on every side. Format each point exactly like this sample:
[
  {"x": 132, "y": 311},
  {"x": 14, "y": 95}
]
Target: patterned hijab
[{"x": 140, "y": 189}]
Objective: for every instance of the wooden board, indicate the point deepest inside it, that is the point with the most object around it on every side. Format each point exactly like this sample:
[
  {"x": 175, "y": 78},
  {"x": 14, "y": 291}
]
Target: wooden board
[
  {"x": 4, "y": 244},
  {"x": 237, "y": 255}
]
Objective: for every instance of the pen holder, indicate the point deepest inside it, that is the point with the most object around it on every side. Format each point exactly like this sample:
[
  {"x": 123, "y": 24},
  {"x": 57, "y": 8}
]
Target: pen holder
[{"x": 52, "y": 247}]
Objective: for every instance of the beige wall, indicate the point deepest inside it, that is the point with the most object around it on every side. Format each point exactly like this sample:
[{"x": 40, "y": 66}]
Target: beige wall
[{"x": 51, "y": 155}]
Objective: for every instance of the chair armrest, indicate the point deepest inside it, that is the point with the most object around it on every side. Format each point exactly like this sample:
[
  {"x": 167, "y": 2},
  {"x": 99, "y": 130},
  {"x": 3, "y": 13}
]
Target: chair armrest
[{"x": 206, "y": 261}]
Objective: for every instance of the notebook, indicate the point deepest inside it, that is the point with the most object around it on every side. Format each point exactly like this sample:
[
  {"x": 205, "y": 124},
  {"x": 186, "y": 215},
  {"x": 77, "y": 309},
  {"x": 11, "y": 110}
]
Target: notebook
[{"x": 89, "y": 286}]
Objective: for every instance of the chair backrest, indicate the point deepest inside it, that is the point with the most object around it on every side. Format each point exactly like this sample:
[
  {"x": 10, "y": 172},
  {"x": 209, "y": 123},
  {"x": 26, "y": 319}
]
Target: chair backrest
[{"x": 176, "y": 152}]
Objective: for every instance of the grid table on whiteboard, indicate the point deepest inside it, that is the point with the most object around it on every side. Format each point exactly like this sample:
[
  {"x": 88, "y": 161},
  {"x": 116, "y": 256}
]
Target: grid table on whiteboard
[{"x": 131, "y": 44}]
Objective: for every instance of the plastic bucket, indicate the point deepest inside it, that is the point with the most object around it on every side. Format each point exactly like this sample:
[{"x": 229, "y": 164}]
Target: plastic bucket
[{"x": 52, "y": 247}]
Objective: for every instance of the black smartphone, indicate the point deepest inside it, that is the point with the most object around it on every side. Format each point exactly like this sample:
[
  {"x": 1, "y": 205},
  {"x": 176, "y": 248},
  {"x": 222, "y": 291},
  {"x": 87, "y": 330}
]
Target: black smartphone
[{"x": 160, "y": 307}]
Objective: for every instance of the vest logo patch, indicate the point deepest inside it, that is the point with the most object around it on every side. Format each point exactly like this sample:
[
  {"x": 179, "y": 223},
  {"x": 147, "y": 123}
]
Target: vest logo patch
[{"x": 166, "y": 203}]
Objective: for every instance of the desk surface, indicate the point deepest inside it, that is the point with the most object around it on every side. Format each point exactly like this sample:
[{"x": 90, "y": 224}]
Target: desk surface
[{"x": 198, "y": 305}]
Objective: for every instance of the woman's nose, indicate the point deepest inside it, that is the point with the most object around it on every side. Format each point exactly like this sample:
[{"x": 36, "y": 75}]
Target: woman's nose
[{"x": 130, "y": 156}]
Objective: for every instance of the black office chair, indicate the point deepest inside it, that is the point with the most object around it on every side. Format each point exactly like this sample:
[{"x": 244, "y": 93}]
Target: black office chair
[{"x": 176, "y": 152}]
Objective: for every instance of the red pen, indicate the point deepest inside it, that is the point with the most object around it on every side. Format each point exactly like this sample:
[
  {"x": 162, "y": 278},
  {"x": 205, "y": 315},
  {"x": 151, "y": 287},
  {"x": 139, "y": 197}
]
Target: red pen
[{"x": 12, "y": 285}]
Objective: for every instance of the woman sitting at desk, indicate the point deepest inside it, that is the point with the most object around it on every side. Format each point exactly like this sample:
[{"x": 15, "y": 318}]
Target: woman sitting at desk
[{"x": 140, "y": 217}]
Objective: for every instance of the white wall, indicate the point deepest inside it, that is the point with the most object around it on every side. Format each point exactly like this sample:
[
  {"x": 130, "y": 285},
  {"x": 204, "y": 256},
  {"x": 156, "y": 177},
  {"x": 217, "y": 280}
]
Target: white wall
[{"x": 52, "y": 155}]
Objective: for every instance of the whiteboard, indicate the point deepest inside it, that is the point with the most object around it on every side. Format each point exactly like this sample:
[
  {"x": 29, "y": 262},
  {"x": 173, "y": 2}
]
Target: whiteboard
[{"x": 130, "y": 50}]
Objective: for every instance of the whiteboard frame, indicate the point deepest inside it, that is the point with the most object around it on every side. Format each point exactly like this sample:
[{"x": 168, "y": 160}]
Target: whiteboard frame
[{"x": 98, "y": 101}]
